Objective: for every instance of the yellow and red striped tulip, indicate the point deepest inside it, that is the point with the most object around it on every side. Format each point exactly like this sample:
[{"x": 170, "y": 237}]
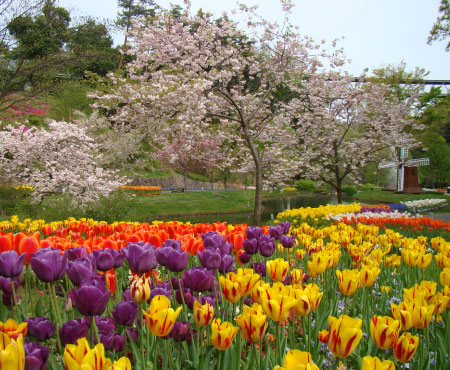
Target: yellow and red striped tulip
[
  {"x": 277, "y": 269},
  {"x": 421, "y": 313},
  {"x": 393, "y": 260},
  {"x": 440, "y": 301},
  {"x": 256, "y": 294},
  {"x": 384, "y": 331},
  {"x": 203, "y": 314},
  {"x": 247, "y": 278},
  {"x": 231, "y": 289},
  {"x": 296, "y": 359},
  {"x": 423, "y": 260},
  {"x": 444, "y": 277},
  {"x": 318, "y": 264},
  {"x": 297, "y": 276},
  {"x": 253, "y": 322},
  {"x": 344, "y": 335},
  {"x": 402, "y": 313},
  {"x": 405, "y": 347},
  {"x": 222, "y": 334},
  {"x": 368, "y": 275},
  {"x": 348, "y": 281},
  {"x": 276, "y": 305},
  {"x": 160, "y": 317},
  {"x": 11, "y": 328},
  {"x": 140, "y": 289},
  {"x": 315, "y": 296},
  {"x": 374, "y": 363}
]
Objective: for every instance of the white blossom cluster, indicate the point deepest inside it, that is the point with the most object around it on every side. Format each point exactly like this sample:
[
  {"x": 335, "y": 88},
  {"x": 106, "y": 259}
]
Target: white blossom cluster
[
  {"x": 425, "y": 204},
  {"x": 394, "y": 214}
]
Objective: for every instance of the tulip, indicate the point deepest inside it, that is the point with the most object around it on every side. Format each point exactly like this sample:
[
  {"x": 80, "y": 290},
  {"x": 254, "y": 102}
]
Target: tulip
[
  {"x": 222, "y": 334},
  {"x": 424, "y": 260},
  {"x": 344, "y": 335},
  {"x": 444, "y": 277},
  {"x": 41, "y": 328},
  {"x": 91, "y": 300},
  {"x": 78, "y": 252},
  {"x": 251, "y": 246},
  {"x": 36, "y": 356},
  {"x": 215, "y": 240},
  {"x": 384, "y": 331},
  {"x": 348, "y": 281},
  {"x": 162, "y": 289},
  {"x": 303, "y": 306},
  {"x": 203, "y": 314},
  {"x": 105, "y": 325},
  {"x": 405, "y": 347},
  {"x": 260, "y": 268},
  {"x": 13, "y": 329},
  {"x": 12, "y": 354},
  {"x": 246, "y": 278},
  {"x": 210, "y": 258},
  {"x": 374, "y": 363},
  {"x": 410, "y": 257},
  {"x": 125, "y": 313},
  {"x": 140, "y": 289},
  {"x": 368, "y": 275},
  {"x": 296, "y": 359},
  {"x": 180, "y": 331},
  {"x": 252, "y": 322},
  {"x": 28, "y": 245},
  {"x": 72, "y": 330},
  {"x": 112, "y": 341},
  {"x": 253, "y": 232},
  {"x": 11, "y": 264},
  {"x": 160, "y": 317},
  {"x": 277, "y": 269},
  {"x": 421, "y": 313},
  {"x": 266, "y": 245},
  {"x": 141, "y": 257},
  {"x": 276, "y": 306},
  {"x": 440, "y": 302},
  {"x": 287, "y": 241},
  {"x": 48, "y": 264},
  {"x": 104, "y": 259},
  {"x": 199, "y": 279},
  {"x": 317, "y": 265},
  {"x": 226, "y": 264},
  {"x": 402, "y": 313},
  {"x": 122, "y": 363},
  {"x": 5, "y": 285},
  {"x": 297, "y": 276},
  {"x": 231, "y": 289},
  {"x": 285, "y": 226},
  {"x": 177, "y": 260},
  {"x": 256, "y": 293},
  {"x": 80, "y": 356},
  {"x": 80, "y": 269}
]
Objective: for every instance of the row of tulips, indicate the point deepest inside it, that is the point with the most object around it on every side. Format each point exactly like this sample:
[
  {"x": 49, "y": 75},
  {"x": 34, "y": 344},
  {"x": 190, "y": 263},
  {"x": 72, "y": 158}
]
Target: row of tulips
[{"x": 245, "y": 297}]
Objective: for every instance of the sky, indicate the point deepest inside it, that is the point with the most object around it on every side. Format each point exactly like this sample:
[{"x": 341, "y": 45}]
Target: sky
[{"x": 375, "y": 33}]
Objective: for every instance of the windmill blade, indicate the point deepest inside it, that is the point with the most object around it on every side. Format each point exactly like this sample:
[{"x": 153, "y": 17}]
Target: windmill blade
[
  {"x": 388, "y": 164},
  {"x": 400, "y": 178},
  {"x": 417, "y": 162}
]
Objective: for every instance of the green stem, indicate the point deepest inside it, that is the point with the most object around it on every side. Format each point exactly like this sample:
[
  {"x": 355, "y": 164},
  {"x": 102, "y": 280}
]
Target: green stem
[
  {"x": 53, "y": 307},
  {"x": 94, "y": 329},
  {"x": 141, "y": 335},
  {"x": 58, "y": 314}
]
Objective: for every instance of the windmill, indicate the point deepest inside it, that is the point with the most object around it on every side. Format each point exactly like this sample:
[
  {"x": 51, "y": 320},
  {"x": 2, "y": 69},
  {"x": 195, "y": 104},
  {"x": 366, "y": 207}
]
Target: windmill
[{"x": 407, "y": 175}]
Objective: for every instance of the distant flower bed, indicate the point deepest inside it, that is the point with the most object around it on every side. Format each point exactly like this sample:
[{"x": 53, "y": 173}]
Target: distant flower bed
[
  {"x": 289, "y": 189},
  {"x": 143, "y": 190},
  {"x": 424, "y": 205}
]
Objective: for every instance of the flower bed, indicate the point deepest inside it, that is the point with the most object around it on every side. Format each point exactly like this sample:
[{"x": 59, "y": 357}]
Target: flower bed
[
  {"x": 169, "y": 295},
  {"x": 143, "y": 190},
  {"x": 425, "y": 205}
]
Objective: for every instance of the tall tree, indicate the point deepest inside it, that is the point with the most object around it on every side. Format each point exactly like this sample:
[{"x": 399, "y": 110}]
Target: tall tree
[
  {"x": 341, "y": 126},
  {"x": 192, "y": 69},
  {"x": 132, "y": 9},
  {"x": 441, "y": 28}
]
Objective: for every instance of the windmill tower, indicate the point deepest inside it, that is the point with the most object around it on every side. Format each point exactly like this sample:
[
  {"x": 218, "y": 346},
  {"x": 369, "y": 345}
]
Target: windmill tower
[{"x": 407, "y": 173}]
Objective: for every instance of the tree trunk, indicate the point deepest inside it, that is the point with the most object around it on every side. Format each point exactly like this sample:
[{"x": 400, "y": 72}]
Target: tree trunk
[
  {"x": 124, "y": 47},
  {"x": 258, "y": 195},
  {"x": 339, "y": 191},
  {"x": 185, "y": 178}
]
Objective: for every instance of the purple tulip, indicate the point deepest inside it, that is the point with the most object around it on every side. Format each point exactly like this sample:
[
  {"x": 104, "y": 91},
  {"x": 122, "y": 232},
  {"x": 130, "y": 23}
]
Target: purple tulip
[
  {"x": 48, "y": 264},
  {"x": 260, "y": 268},
  {"x": 210, "y": 258},
  {"x": 41, "y": 328},
  {"x": 174, "y": 244},
  {"x": 177, "y": 261},
  {"x": 253, "y": 232},
  {"x": 105, "y": 325},
  {"x": 287, "y": 241},
  {"x": 177, "y": 282},
  {"x": 285, "y": 226},
  {"x": 245, "y": 257},
  {"x": 226, "y": 264},
  {"x": 248, "y": 301},
  {"x": 125, "y": 313},
  {"x": 126, "y": 296},
  {"x": 141, "y": 257},
  {"x": 90, "y": 300},
  {"x": 251, "y": 246},
  {"x": 7, "y": 299},
  {"x": 132, "y": 334},
  {"x": 275, "y": 232},
  {"x": 199, "y": 279},
  {"x": 162, "y": 254},
  {"x": 180, "y": 331},
  {"x": 72, "y": 330},
  {"x": 216, "y": 240},
  {"x": 36, "y": 356},
  {"x": 97, "y": 280},
  {"x": 11, "y": 264},
  {"x": 5, "y": 285},
  {"x": 266, "y": 245},
  {"x": 207, "y": 299},
  {"x": 104, "y": 259},
  {"x": 79, "y": 270},
  {"x": 112, "y": 342},
  {"x": 160, "y": 290},
  {"x": 74, "y": 253},
  {"x": 188, "y": 297}
]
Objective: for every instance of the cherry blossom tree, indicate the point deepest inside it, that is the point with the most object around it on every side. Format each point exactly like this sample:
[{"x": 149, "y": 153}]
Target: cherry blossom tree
[
  {"x": 343, "y": 125},
  {"x": 62, "y": 159},
  {"x": 190, "y": 70}
]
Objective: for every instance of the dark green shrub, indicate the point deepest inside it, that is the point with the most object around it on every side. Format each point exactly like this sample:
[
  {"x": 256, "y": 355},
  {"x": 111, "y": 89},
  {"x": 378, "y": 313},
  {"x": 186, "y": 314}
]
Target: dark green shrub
[
  {"x": 305, "y": 185},
  {"x": 349, "y": 190}
]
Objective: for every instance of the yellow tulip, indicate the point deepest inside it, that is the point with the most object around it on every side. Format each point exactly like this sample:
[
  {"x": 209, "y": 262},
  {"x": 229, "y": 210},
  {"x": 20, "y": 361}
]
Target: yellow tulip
[
  {"x": 368, "y": 275},
  {"x": 122, "y": 363},
  {"x": 384, "y": 331},
  {"x": 277, "y": 306},
  {"x": 253, "y": 322},
  {"x": 344, "y": 335},
  {"x": 421, "y": 313},
  {"x": 402, "y": 313},
  {"x": 277, "y": 269},
  {"x": 297, "y": 360},
  {"x": 318, "y": 264},
  {"x": 405, "y": 347},
  {"x": 348, "y": 281},
  {"x": 393, "y": 260},
  {"x": 444, "y": 277},
  {"x": 95, "y": 359},
  {"x": 374, "y": 363},
  {"x": 315, "y": 296},
  {"x": 297, "y": 276},
  {"x": 231, "y": 289},
  {"x": 13, "y": 329},
  {"x": 410, "y": 257},
  {"x": 301, "y": 294},
  {"x": 160, "y": 317},
  {"x": 222, "y": 334},
  {"x": 440, "y": 302},
  {"x": 12, "y": 354},
  {"x": 75, "y": 353},
  {"x": 256, "y": 294},
  {"x": 203, "y": 314},
  {"x": 423, "y": 260},
  {"x": 247, "y": 278}
]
